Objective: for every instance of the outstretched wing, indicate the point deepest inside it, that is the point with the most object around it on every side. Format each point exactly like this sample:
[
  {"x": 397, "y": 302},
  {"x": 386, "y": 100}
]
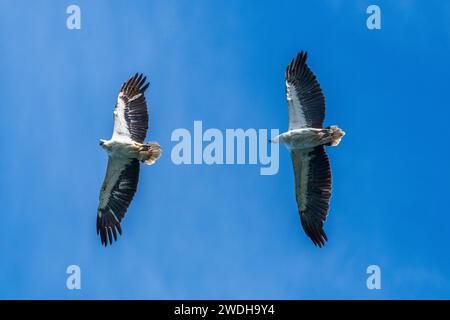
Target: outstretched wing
[
  {"x": 130, "y": 114},
  {"x": 117, "y": 191},
  {"x": 304, "y": 96},
  {"x": 313, "y": 190}
]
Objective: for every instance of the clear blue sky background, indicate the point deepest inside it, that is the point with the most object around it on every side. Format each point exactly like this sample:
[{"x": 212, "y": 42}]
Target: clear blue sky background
[{"x": 224, "y": 231}]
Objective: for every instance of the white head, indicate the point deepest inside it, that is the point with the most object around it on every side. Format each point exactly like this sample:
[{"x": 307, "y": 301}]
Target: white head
[
  {"x": 102, "y": 143},
  {"x": 277, "y": 139}
]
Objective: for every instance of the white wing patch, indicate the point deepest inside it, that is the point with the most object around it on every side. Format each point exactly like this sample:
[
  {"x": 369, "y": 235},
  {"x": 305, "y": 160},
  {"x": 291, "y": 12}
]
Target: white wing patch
[
  {"x": 296, "y": 115},
  {"x": 115, "y": 168},
  {"x": 121, "y": 131}
]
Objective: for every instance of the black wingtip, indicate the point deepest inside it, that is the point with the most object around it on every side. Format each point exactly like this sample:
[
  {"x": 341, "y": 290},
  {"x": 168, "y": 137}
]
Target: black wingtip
[
  {"x": 108, "y": 231},
  {"x": 145, "y": 87},
  {"x": 296, "y": 64},
  {"x": 135, "y": 85},
  {"x": 301, "y": 56},
  {"x": 319, "y": 238},
  {"x": 315, "y": 233}
]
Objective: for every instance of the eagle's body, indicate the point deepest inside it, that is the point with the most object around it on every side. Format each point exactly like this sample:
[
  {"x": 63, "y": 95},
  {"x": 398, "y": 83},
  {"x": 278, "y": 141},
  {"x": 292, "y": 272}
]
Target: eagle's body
[
  {"x": 119, "y": 149},
  {"x": 126, "y": 149},
  {"x": 305, "y": 140}
]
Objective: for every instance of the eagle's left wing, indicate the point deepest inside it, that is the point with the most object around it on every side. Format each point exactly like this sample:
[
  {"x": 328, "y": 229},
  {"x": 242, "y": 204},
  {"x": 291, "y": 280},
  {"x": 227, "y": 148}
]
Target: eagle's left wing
[
  {"x": 313, "y": 190},
  {"x": 130, "y": 114},
  {"x": 117, "y": 191}
]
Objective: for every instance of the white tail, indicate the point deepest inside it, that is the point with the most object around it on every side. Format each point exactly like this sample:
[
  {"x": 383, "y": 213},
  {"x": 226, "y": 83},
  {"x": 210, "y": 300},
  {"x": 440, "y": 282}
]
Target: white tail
[
  {"x": 337, "y": 134},
  {"x": 148, "y": 153}
]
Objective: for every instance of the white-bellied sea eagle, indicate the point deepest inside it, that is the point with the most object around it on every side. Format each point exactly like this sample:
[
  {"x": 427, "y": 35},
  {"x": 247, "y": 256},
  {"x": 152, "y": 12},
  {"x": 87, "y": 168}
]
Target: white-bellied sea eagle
[
  {"x": 125, "y": 150},
  {"x": 305, "y": 140}
]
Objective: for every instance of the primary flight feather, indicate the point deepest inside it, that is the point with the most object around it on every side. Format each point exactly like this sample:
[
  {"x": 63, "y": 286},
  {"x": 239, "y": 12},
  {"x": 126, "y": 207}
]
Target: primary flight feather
[{"x": 126, "y": 149}]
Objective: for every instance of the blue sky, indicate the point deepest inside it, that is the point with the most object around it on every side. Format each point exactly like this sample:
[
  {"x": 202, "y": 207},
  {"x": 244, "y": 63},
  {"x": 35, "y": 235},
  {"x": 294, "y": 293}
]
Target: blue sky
[{"x": 206, "y": 232}]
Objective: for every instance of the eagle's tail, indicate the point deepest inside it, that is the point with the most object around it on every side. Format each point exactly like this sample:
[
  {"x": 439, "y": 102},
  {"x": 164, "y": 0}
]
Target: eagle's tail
[
  {"x": 336, "y": 135},
  {"x": 149, "y": 152}
]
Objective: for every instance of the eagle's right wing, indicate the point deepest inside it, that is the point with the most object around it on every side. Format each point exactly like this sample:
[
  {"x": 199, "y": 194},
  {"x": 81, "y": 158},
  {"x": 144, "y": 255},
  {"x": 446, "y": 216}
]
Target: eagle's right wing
[
  {"x": 304, "y": 96},
  {"x": 313, "y": 190},
  {"x": 118, "y": 189}
]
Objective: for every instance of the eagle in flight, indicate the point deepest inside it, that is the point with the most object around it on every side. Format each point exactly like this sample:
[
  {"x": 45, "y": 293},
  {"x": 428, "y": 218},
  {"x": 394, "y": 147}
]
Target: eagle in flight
[
  {"x": 125, "y": 150},
  {"x": 305, "y": 140}
]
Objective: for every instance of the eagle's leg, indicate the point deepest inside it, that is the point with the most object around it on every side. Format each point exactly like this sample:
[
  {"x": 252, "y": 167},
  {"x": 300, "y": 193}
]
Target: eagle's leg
[{"x": 148, "y": 153}]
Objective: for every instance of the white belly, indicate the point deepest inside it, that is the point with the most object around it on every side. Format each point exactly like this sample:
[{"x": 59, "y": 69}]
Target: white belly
[{"x": 121, "y": 149}]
